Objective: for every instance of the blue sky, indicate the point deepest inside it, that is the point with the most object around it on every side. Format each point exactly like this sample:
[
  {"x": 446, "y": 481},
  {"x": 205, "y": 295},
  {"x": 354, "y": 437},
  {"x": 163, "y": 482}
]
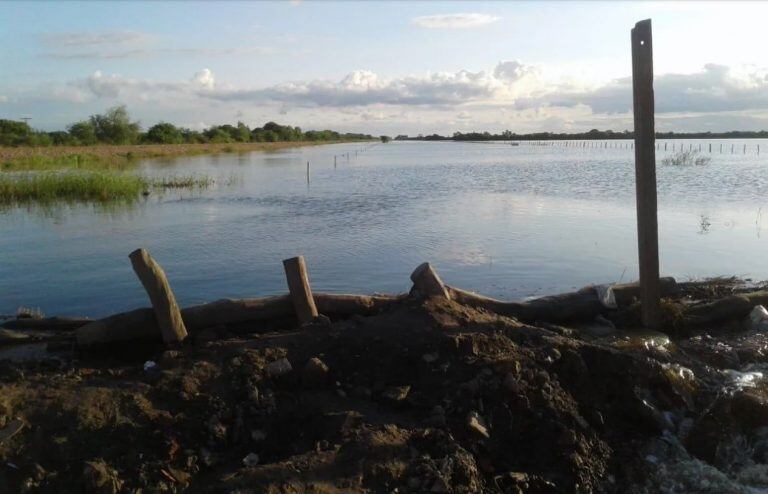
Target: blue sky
[{"x": 383, "y": 67}]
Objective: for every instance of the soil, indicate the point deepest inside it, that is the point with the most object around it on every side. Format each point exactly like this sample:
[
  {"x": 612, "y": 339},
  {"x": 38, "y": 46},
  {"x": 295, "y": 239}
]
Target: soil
[{"x": 430, "y": 396}]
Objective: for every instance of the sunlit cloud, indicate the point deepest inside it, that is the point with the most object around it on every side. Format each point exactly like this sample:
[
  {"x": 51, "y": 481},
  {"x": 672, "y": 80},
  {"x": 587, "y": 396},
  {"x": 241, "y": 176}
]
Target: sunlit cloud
[{"x": 454, "y": 21}]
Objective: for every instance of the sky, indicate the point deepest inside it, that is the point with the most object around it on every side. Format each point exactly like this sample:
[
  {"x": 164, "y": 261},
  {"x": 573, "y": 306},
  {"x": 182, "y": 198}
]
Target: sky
[{"x": 383, "y": 67}]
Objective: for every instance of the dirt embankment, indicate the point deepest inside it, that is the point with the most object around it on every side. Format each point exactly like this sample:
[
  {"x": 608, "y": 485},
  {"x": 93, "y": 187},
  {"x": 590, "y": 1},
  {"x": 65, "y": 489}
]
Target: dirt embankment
[{"x": 429, "y": 396}]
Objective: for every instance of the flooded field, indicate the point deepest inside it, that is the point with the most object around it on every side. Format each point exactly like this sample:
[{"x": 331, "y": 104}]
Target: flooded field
[{"x": 506, "y": 221}]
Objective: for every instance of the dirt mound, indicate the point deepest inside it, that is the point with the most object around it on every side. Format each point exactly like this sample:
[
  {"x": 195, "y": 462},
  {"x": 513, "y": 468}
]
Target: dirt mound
[{"x": 430, "y": 396}]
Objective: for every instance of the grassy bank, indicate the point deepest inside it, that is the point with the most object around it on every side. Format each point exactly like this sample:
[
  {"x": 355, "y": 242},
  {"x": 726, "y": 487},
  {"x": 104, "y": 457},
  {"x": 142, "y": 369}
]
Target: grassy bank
[
  {"x": 104, "y": 156},
  {"x": 87, "y": 186}
]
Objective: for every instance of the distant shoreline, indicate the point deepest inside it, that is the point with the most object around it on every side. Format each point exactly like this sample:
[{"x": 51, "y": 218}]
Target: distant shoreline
[{"x": 10, "y": 156}]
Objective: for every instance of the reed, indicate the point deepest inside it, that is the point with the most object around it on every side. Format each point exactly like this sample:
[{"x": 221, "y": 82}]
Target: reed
[{"x": 47, "y": 187}]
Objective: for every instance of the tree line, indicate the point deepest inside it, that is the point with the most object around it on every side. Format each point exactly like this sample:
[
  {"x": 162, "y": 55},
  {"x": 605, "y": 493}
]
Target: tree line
[
  {"x": 115, "y": 126},
  {"x": 593, "y": 134}
]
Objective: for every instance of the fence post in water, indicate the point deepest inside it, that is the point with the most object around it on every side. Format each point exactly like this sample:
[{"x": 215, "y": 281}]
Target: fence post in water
[
  {"x": 334, "y": 161},
  {"x": 710, "y": 147},
  {"x": 301, "y": 292},
  {"x": 161, "y": 296},
  {"x": 745, "y": 149},
  {"x": 645, "y": 173}
]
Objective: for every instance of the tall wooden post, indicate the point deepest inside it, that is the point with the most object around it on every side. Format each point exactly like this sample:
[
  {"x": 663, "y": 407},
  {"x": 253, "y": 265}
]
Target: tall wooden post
[
  {"x": 645, "y": 173},
  {"x": 160, "y": 294}
]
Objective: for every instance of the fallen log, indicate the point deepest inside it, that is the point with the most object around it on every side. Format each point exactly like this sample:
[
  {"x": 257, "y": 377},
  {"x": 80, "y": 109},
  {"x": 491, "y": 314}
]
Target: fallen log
[
  {"x": 140, "y": 324},
  {"x": 160, "y": 294},
  {"x": 47, "y": 323},
  {"x": 734, "y": 307},
  {"x": 576, "y": 306}
]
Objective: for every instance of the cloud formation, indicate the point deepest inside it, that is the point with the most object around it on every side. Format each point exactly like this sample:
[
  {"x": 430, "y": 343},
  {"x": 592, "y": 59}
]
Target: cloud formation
[
  {"x": 454, "y": 21},
  {"x": 511, "y": 95},
  {"x": 95, "y": 39}
]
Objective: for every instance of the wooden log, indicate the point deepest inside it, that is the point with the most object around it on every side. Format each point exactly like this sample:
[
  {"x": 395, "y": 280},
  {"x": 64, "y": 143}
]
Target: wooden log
[
  {"x": 729, "y": 308},
  {"x": 160, "y": 294},
  {"x": 645, "y": 173},
  {"x": 47, "y": 323},
  {"x": 300, "y": 290},
  {"x": 583, "y": 305},
  {"x": 427, "y": 283},
  {"x": 140, "y": 324}
]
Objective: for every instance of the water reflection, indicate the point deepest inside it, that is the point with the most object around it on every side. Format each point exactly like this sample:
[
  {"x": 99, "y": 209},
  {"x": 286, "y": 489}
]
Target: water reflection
[{"x": 507, "y": 221}]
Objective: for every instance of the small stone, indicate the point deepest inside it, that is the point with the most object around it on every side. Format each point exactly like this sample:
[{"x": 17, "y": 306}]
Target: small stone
[
  {"x": 149, "y": 365},
  {"x": 396, "y": 393},
  {"x": 430, "y": 357},
  {"x": 251, "y": 460},
  {"x": 477, "y": 425},
  {"x": 315, "y": 373},
  {"x": 279, "y": 368},
  {"x": 341, "y": 393}
]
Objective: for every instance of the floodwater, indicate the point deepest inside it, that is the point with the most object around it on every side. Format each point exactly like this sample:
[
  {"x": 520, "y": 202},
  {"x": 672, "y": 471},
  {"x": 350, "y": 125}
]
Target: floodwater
[{"x": 505, "y": 221}]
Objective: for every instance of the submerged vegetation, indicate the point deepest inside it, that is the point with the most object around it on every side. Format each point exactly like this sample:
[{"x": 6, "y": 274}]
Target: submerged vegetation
[
  {"x": 87, "y": 186},
  {"x": 686, "y": 158}
]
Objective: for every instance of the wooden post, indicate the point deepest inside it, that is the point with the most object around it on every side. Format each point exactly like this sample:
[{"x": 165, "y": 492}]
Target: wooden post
[
  {"x": 301, "y": 292},
  {"x": 427, "y": 283},
  {"x": 160, "y": 294},
  {"x": 645, "y": 173},
  {"x": 307, "y": 171}
]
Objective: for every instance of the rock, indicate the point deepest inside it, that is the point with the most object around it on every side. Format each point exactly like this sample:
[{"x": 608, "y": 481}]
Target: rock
[
  {"x": 251, "y": 460},
  {"x": 315, "y": 373},
  {"x": 477, "y": 425},
  {"x": 279, "y": 368},
  {"x": 430, "y": 357},
  {"x": 396, "y": 393},
  {"x": 319, "y": 322},
  {"x": 99, "y": 478}
]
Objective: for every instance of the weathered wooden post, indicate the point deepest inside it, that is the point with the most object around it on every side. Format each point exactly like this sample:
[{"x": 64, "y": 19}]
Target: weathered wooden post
[
  {"x": 307, "y": 171},
  {"x": 301, "y": 292},
  {"x": 645, "y": 173},
  {"x": 160, "y": 294}
]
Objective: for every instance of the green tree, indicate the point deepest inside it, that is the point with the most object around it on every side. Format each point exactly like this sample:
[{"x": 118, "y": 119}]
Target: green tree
[
  {"x": 164, "y": 133},
  {"x": 115, "y": 127},
  {"x": 83, "y": 133},
  {"x": 385, "y": 139}
]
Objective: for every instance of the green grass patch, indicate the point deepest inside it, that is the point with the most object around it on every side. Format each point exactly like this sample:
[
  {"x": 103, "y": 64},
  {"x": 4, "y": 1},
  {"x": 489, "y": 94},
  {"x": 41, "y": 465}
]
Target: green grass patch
[
  {"x": 76, "y": 161},
  {"x": 87, "y": 186}
]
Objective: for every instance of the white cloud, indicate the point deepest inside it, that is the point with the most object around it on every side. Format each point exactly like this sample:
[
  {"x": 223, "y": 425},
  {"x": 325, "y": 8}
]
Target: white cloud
[
  {"x": 454, "y": 21},
  {"x": 91, "y": 39},
  {"x": 3, "y": 98},
  {"x": 204, "y": 79}
]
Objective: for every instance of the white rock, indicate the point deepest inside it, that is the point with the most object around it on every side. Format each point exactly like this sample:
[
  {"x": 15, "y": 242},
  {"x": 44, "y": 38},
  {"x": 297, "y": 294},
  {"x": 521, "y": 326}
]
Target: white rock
[
  {"x": 149, "y": 365},
  {"x": 758, "y": 318}
]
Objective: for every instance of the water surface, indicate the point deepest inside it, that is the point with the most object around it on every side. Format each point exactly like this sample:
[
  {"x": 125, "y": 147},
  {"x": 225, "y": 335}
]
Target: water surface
[{"x": 506, "y": 221}]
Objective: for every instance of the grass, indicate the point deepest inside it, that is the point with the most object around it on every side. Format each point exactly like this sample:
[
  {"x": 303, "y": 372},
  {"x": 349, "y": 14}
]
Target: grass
[
  {"x": 686, "y": 158},
  {"x": 101, "y": 157},
  {"x": 87, "y": 186}
]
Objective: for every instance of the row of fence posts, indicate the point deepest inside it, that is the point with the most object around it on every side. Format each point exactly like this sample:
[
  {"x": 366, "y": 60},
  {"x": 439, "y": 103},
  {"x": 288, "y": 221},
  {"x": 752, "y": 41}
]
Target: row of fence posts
[
  {"x": 335, "y": 159},
  {"x": 723, "y": 147}
]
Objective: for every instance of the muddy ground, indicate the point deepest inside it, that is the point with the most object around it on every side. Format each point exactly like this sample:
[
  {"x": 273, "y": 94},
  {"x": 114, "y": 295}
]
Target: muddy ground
[{"x": 430, "y": 396}]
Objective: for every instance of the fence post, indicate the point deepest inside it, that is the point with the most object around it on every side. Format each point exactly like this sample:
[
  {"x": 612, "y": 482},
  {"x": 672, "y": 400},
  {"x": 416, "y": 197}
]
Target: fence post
[
  {"x": 645, "y": 173},
  {"x": 160, "y": 294},
  {"x": 300, "y": 289}
]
